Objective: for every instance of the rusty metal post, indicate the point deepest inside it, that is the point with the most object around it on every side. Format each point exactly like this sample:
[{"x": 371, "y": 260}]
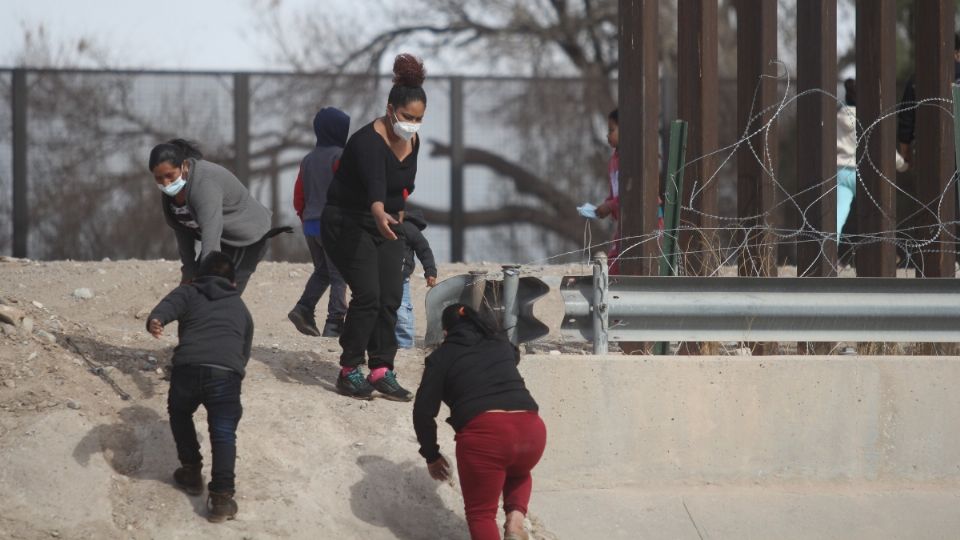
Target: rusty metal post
[
  {"x": 817, "y": 127},
  {"x": 757, "y": 91},
  {"x": 934, "y": 135},
  {"x": 698, "y": 103},
  {"x": 21, "y": 202},
  {"x": 639, "y": 122},
  {"x": 241, "y": 127},
  {"x": 876, "y": 96}
]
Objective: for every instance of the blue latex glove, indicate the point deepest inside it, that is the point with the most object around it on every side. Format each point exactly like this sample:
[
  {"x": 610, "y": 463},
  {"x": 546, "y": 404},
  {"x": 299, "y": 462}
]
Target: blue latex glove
[{"x": 588, "y": 211}]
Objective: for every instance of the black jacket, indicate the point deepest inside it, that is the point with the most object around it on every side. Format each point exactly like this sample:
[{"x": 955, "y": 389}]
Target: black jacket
[
  {"x": 471, "y": 374},
  {"x": 907, "y": 115},
  {"x": 417, "y": 244},
  {"x": 215, "y": 327}
]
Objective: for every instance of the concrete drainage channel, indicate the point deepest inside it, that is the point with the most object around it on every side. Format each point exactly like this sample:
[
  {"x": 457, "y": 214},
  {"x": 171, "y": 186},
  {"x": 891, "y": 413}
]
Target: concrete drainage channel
[
  {"x": 840, "y": 446},
  {"x": 748, "y": 447}
]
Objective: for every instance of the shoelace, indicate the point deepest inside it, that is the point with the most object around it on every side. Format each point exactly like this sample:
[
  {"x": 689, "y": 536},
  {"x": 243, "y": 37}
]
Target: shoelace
[
  {"x": 356, "y": 377},
  {"x": 391, "y": 380}
]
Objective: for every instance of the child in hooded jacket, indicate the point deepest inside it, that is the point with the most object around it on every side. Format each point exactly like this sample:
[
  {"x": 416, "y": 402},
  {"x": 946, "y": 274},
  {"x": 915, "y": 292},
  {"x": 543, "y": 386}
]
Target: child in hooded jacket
[
  {"x": 215, "y": 335},
  {"x": 417, "y": 245}
]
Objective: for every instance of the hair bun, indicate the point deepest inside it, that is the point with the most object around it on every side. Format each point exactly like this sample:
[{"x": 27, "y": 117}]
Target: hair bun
[{"x": 408, "y": 71}]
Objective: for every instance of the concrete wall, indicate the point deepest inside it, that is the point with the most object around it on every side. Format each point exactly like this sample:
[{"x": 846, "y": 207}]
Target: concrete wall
[{"x": 635, "y": 421}]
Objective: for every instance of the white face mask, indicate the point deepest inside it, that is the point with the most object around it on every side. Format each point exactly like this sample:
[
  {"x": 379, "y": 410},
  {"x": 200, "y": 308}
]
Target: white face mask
[
  {"x": 174, "y": 187},
  {"x": 404, "y": 130}
]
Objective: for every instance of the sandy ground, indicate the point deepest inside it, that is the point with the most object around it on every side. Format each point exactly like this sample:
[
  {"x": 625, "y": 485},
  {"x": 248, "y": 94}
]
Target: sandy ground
[{"x": 78, "y": 461}]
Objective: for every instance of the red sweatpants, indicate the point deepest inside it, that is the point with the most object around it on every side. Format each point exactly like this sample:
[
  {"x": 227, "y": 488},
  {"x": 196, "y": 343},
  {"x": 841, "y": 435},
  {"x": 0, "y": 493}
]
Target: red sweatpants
[{"x": 495, "y": 453}]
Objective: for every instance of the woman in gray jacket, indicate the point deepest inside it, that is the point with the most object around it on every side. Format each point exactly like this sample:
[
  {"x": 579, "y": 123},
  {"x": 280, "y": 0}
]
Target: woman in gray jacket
[{"x": 205, "y": 202}]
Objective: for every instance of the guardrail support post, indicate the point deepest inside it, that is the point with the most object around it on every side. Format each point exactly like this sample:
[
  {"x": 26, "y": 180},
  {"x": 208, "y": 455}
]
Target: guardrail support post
[
  {"x": 599, "y": 307},
  {"x": 473, "y": 292},
  {"x": 511, "y": 309}
]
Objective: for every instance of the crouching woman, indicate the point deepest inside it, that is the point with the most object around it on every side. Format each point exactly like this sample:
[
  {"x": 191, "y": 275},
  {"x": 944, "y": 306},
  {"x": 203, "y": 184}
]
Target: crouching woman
[{"x": 500, "y": 437}]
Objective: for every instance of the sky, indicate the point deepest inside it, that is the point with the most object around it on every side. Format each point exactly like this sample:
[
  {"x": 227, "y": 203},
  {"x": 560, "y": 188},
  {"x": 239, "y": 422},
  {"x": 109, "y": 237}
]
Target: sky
[
  {"x": 169, "y": 34},
  {"x": 184, "y": 34}
]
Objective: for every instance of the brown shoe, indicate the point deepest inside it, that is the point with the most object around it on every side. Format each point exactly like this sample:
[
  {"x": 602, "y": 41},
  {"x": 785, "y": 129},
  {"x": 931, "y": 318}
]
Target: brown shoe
[
  {"x": 221, "y": 507},
  {"x": 189, "y": 478}
]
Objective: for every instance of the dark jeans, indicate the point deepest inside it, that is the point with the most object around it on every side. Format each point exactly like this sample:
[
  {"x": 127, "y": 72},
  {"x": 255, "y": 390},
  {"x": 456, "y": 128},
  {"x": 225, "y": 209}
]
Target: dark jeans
[
  {"x": 245, "y": 260},
  {"x": 373, "y": 268},
  {"x": 324, "y": 274},
  {"x": 218, "y": 390}
]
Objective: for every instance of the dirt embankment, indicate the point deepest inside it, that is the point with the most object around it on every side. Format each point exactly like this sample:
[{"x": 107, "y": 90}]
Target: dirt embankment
[{"x": 85, "y": 447}]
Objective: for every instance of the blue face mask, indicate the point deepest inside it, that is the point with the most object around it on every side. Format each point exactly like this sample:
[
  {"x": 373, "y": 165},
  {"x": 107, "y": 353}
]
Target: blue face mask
[{"x": 174, "y": 187}]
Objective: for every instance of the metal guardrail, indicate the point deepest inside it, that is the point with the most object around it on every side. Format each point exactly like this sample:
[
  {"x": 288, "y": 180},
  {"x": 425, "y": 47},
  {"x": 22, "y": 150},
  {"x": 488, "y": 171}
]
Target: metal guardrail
[
  {"x": 508, "y": 302},
  {"x": 635, "y": 308}
]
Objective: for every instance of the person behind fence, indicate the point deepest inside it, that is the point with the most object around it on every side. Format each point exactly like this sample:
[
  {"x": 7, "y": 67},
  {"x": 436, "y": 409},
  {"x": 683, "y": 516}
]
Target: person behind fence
[
  {"x": 202, "y": 201},
  {"x": 500, "y": 436},
  {"x": 361, "y": 231},
  {"x": 309, "y": 197},
  {"x": 215, "y": 335},
  {"x": 417, "y": 246},
  {"x": 847, "y": 154},
  {"x": 907, "y": 108},
  {"x": 611, "y": 205}
]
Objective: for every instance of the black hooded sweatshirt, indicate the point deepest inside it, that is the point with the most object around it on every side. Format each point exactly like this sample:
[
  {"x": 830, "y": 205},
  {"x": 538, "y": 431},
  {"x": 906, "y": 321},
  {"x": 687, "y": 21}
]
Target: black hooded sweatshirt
[
  {"x": 413, "y": 223},
  {"x": 472, "y": 374},
  {"x": 215, "y": 327}
]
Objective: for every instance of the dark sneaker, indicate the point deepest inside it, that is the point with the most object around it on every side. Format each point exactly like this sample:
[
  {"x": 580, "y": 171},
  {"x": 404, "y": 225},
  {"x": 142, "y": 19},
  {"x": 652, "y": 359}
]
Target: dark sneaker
[
  {"x": 190, "y": 478},
  {"x": 354, "y": 385},
  {"x": 304, "y": 321},
  {"x": 390, "y": 388},
  {"x": 221, "y": 507},
  {"x": 332, "y": 328}
]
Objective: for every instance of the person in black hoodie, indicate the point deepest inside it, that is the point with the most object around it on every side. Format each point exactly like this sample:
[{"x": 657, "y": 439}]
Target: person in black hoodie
[
  {"x": 215, "y": 335},
  {"x": 500, "y": 436},
  {"x": 417, "y": 246}
]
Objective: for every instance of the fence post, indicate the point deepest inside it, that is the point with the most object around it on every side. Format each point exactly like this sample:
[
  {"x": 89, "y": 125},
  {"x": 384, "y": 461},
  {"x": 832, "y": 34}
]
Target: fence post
[
  {"x": 511, "y": 309},
  {"x": 241, "y": 127},
  {"x": 599, "y": 307},
  {"x": 671, "y": 204},
  {"x": 456, "y": 170},
  {"x": 21, "y": 211}
]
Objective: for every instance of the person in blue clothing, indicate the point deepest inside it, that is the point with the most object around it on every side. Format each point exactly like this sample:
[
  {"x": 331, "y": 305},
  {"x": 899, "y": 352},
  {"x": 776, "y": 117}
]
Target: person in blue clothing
[
  {"x": 309, "y": 198},
  {"x": 418, "y": 246}
]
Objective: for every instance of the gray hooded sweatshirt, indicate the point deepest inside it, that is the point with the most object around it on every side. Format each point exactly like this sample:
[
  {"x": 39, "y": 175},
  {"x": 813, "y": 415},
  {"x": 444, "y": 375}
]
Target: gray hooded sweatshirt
[{"x": 224, "y": 210}]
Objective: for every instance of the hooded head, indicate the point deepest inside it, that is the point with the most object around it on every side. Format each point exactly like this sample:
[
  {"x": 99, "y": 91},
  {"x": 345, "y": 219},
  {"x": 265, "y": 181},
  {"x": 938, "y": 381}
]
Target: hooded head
[
  {"x": 415, "y": 217},
  {"x": 331, "y": 126}
]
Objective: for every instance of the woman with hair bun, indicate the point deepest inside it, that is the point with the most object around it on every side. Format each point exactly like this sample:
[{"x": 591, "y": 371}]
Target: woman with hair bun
[
  {"x": 205, "y": 202},
  {"x": 361, "y": 229},
  {"x": 500, "y": 436}
]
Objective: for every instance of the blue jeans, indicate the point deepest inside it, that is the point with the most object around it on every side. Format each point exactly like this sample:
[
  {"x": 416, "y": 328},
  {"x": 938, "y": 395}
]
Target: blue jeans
[
  {"x": 405, "y": 322},
  {"x": 846, "y": 190},
  {"x": 218, "y": 390}
]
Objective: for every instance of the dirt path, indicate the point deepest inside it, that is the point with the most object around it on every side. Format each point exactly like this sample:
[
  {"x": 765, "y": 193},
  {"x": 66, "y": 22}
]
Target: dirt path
[{"x": 78, "y": 461}]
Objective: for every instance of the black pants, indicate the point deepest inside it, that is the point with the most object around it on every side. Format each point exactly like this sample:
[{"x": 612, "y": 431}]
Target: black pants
[
  {"x": 373, "y": 268},
  {"x": 245, "y": 260},
  {"x": 218, "y": 390}
]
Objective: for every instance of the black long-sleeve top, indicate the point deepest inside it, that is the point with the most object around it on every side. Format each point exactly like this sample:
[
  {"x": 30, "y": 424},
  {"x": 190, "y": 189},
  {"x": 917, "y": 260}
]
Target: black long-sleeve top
[
  {"x": 370, "y": 172},
  {"x": 471, "y": 374}
]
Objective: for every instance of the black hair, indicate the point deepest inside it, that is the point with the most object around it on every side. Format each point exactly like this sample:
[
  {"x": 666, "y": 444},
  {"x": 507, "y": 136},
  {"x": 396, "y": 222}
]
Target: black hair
[
  {"x": 217, "y": 264},
  {"x": 615, "y": 116},
  {"x": 173, "y": 151},
  {"x": 408, "y": 76},
  {"x": 461, "y": 313},
  {"x": 850, "y": 86}
]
